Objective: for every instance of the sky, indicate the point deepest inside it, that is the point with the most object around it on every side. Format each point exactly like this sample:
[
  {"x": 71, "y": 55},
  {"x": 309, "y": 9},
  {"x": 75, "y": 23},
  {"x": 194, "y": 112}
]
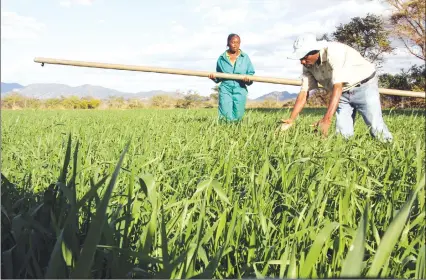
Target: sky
[{"x": 185, "y": 34}]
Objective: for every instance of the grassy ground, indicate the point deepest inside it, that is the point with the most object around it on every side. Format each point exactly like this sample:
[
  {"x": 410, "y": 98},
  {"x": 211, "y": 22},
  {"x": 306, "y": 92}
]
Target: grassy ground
[{"x": 194, "y": 198}]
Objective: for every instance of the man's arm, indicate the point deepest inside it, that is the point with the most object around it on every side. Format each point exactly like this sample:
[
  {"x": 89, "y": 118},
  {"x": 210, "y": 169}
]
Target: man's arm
[
  {"x": 325, "y": 122},
  {"x": 334, "y": 101},
  {"x": 298, "y": 106},
  {"x": 336, "y": 59},
  {"x": 308, "y": 82},
  {"x": 336, "y": 56}
]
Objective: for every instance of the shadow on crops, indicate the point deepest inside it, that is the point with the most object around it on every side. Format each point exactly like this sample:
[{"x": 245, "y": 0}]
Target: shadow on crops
[
  {"x": 25, "y": 230},
  {"x": 45, "y": 234}
]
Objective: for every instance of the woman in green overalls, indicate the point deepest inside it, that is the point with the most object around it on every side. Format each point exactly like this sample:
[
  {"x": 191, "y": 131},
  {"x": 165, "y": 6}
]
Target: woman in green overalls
[{"x": 232, "y": 93}]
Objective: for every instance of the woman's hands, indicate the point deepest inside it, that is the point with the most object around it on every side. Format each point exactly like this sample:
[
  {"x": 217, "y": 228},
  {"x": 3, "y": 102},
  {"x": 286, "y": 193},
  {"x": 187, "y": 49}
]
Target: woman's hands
[
  {"x": 212, "y": 77},
  {"x": 246, "y": 80}
]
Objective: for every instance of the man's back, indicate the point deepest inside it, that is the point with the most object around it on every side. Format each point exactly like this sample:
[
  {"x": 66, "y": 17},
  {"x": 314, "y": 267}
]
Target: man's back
[{"x": 339, "y": 63}]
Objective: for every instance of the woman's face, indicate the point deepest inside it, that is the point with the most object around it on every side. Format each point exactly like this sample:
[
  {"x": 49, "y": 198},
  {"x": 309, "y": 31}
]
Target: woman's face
[{"x": 234, "y": 44}]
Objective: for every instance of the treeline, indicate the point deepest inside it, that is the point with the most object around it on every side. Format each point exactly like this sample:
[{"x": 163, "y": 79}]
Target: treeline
[
  {"x": 412, "y": 79},
  {"x": 190, "y": 100},
  {"x": 18, "y": 101}
]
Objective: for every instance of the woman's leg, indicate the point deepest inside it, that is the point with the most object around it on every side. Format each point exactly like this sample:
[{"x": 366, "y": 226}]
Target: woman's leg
[
  {"x": 225, "y": 105},
  {"x": 239, "y": 98}
]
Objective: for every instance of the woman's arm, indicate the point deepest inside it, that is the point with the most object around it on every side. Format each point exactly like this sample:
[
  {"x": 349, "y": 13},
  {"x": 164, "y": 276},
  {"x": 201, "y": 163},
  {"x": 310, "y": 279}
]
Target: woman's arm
[
  {"x": 250, "y": 70},
  {"x": 219, "y": 70}
]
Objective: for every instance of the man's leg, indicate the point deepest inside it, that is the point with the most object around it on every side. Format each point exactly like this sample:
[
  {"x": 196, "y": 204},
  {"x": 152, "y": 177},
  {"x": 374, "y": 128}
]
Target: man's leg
[
  {"x": 345, "y": 117},
  {"x": 366, "y": 99},
  {"x": 225, "y": 105},
  {"x": 240, "y": 98}
]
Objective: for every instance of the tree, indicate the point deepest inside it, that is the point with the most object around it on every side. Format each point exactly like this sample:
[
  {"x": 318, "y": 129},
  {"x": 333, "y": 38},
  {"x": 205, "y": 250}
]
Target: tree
[
  {"x": 408, "y": 25},
  {"x": 368, "y": 35},
  {"x": 71, "y": 102},
  {"x": 13, "y": 100},
  {"x": 135, "y": 103},
  {"x": 413, "y": 79},
  {"x": 116, "y": 102},
  {"x": 162, "y": 101},
  {"x": 191, "y": 100},
  {"x": 215, "y": 94},
  {"x": 52, "y": 103},
  {"x": 214, "y": 97},
  {"x": 89, "y": 102},
  {"x": 194, "y": 97}
]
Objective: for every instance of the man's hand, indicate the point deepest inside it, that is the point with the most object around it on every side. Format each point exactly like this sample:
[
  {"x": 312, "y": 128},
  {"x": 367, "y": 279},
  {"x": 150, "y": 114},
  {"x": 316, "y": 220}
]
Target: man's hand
[
  {"x": 300, "y": 102},
  {"x": 286, "y": 124},
  {"x": 323, "y": 125},
  {"x": 289, "y": 121}
]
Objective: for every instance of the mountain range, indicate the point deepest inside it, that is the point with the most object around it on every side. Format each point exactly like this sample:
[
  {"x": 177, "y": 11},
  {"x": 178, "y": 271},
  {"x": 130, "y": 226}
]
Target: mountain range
[
  {"x": 52, "y": 90},
  {"x": 7, "y": 87},
  {"x": 280, "y": 95},
  {"x": 44, "y": 91}
]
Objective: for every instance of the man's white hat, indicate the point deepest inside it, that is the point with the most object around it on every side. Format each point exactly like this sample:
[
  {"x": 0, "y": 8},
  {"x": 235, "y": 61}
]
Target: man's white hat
[{"x": 304, "y": 44}]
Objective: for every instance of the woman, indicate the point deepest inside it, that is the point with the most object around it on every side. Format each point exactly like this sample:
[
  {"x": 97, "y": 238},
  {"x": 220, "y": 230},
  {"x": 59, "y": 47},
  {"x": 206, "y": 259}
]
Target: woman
[{"x": 233, "y": 93}]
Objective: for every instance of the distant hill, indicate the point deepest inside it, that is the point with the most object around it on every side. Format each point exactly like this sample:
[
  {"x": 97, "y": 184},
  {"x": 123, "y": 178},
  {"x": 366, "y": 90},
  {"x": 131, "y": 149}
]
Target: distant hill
[
  {"x": 8, "y": 87},
  {"x": 282, "y": 96},
  {"x": 52, "y": 90},
  {"x": 44, "y": 91}
]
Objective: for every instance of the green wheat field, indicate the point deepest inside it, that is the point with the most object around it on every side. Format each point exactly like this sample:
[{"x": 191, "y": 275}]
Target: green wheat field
[{"x": 175, "y": 194}]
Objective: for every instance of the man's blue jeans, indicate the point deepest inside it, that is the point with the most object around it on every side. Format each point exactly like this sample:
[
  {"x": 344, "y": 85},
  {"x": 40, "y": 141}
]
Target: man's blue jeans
[{"x": 366, "y": 100}]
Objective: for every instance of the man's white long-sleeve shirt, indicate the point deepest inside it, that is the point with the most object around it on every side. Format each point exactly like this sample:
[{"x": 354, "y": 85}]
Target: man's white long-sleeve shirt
[{"x": 339, "y": 63}]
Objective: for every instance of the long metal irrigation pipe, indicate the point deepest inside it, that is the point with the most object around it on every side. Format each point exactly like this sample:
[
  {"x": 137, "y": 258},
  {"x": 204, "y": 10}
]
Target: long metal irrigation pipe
[{"x": 270, "y": 80}]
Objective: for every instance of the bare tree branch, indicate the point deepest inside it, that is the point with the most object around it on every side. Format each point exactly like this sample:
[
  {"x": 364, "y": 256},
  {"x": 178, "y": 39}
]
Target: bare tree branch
[
  {"x": 408, "y": 24},
  {"x": 410, "y": 50}
]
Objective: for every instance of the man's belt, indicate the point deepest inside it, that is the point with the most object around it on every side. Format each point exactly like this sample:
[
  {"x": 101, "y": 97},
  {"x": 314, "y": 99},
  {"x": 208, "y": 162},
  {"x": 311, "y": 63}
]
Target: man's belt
[{"x": 366, "y": 79}]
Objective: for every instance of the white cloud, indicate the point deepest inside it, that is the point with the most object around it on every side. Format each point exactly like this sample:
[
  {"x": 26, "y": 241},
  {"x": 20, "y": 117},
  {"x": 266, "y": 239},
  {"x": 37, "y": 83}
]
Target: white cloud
[
  {"x": 14, "y": 26},
  {"x": 271, "y": 6},
  {"x": 399, "y": 59},
  {"x": 65, "y": 3},
  {"x": 178, "y": 28},
  {"x": 190, "y": 41},
  {"x": 69, "y": 3},
  {"x": 200, "y": 6},
  {"x": 84, "y": 2},
  {"x": 230, "y": 16}
]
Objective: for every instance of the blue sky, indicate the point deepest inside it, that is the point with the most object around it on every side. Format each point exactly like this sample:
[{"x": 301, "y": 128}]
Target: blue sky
[{"x": 188, "y": 34}]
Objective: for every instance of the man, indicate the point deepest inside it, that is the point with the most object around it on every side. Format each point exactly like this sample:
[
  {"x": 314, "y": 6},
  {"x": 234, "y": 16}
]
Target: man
[{"x": 349, "y": 77}]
